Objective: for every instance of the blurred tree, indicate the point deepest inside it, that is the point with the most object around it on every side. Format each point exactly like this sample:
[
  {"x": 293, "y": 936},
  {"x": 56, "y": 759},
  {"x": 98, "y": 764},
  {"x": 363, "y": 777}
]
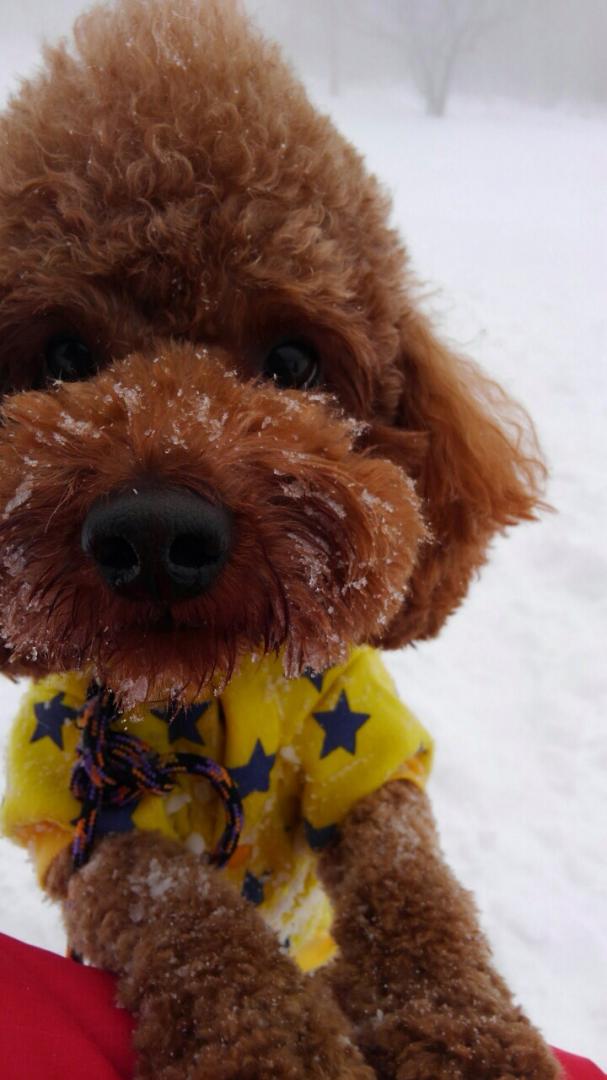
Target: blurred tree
[
  {"x": 545, "y": 51},
  {"x": 437, "y": 34}
]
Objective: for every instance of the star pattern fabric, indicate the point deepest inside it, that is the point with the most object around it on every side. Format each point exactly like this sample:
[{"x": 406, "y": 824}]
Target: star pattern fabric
[
  {"x": 315, "y": 677},
  {"x": 50, "y": 718},
  {"x": 275, "y": 735},
  {"x": 253, "y": 889},
  {"x": 255, "y": 775},
  {"x": 340, "y": 726},
  {"x": 183, "y": 723},
  {"x": 114, "y": 819},
  {"x": 319, "y": 838}
]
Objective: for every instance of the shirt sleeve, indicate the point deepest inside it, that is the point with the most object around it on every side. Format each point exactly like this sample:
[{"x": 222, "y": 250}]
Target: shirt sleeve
[
  {"x": 358, "y": 736},
  {"x": 38, "y": 808}
]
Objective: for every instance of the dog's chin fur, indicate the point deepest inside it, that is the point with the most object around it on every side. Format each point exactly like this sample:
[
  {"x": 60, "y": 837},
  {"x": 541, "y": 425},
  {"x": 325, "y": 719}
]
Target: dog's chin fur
[{"x": 332, "y": 533}]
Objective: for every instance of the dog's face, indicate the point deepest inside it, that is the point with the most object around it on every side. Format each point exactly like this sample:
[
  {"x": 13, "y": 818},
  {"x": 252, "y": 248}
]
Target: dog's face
[{"x": 226, "y": 428}]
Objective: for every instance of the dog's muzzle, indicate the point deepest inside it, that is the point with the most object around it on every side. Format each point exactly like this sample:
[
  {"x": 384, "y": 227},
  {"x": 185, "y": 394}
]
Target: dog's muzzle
[{"x": 159, "y": 544}]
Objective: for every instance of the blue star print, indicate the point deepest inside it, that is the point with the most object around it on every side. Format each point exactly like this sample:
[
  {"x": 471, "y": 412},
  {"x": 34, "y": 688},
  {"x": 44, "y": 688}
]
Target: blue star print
[
  {"x": 253, "y": 889},
  {"x": 319, "y": 838},
  {"x": 315, "y": 677},
  {"x": 114, "y": 819},
  {"x": 340, "y": 726},
  {"x": 183, "y": 722},
  {"x": 50, "y": 718},
  {"x": 255, "y": 775}
]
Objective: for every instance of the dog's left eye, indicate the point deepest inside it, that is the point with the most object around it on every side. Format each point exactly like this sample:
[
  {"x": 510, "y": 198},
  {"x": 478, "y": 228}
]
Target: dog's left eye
[
  {"x": 68, "y": 359},
  {"x": 292, "y": 365}
]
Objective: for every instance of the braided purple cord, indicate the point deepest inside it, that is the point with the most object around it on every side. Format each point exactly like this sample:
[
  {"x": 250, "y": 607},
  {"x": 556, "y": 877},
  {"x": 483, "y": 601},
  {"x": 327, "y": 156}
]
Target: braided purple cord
[{"x": 114, "y": 768}]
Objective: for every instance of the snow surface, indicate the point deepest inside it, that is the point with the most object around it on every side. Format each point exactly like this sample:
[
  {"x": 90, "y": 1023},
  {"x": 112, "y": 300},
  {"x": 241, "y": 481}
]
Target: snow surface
[{"x": 504, "y": 212}]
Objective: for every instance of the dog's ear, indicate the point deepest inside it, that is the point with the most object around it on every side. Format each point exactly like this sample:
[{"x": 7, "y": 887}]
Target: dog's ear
[{"x": 479, "y": 471}]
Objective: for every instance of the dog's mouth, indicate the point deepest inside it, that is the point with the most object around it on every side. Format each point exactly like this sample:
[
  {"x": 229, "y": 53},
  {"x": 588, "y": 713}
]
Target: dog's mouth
[
  {"x": 161, "y": 620},
  {"x": 164, "y": 623},
  {"x": 168, "y": 624}
]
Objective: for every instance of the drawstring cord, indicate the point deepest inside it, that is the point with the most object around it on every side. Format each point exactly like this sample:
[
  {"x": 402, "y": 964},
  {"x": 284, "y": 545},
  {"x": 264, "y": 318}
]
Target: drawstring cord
[{"x": 114, "y": 768}]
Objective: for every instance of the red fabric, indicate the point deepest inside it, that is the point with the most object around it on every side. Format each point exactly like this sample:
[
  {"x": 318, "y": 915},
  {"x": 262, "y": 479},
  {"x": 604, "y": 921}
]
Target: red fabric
[
  {"x": 577, "y": 1068},
  {"x": 58, "y": 1020}
]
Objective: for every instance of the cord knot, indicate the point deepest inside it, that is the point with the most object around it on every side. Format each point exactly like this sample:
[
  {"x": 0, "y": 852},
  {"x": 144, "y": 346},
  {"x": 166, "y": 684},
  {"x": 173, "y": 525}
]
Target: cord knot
[{"x": 114, "y": 768}]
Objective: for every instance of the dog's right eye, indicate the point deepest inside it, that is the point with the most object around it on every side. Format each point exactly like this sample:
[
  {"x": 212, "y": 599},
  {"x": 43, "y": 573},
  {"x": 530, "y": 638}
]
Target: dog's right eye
[
  {"x": 68, "y": 359},
  {"x": 292, "y": 365}
]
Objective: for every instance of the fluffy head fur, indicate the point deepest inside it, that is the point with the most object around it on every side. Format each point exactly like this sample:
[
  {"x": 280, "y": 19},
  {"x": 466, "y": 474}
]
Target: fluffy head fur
[{"x": 168, "y": 193}]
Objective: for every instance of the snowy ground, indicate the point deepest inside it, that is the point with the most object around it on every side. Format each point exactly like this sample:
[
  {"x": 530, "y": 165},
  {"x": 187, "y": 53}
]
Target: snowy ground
[{"x": 504, "y": 211}]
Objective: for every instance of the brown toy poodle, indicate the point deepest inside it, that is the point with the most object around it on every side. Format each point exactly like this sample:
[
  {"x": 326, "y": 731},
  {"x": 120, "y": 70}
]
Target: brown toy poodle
[{"x": 234, "y": 458}]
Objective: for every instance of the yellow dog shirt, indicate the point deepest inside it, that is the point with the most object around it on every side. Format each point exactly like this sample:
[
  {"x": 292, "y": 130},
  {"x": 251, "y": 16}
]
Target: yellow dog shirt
[{"x": 302, "y": 752}]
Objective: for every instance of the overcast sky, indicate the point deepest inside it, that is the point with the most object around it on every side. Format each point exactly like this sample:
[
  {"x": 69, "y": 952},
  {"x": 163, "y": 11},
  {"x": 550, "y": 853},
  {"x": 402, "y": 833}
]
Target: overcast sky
[{"x": 545, "y": 51}]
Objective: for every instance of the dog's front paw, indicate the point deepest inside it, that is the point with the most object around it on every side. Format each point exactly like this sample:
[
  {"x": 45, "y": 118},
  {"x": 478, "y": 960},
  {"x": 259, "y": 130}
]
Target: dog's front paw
[
  {"x": 112, "y": 902},
  {"x": 443, "y": 1045},
  {"x": 214, "y": 996}
]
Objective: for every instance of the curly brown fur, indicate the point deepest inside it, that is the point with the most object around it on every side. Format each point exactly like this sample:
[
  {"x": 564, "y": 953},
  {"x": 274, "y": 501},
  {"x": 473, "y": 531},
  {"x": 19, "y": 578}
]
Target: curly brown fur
[
  {"x": 196, "y": 960},
  {"x": 414, "y": 972},
  {"x": 480, "y": 473},
  {"x": 169, "y": 195},
  {"x": 165, "y": 180},
  {"x": 332, "y": 533}
]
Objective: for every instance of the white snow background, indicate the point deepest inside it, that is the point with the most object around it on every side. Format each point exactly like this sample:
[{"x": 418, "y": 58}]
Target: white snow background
[{"x": 504, "y": 212}]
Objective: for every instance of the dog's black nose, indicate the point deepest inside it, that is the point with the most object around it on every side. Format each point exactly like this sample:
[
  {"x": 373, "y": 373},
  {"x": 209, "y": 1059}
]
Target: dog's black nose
[{"x": 162, "y": 544}]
